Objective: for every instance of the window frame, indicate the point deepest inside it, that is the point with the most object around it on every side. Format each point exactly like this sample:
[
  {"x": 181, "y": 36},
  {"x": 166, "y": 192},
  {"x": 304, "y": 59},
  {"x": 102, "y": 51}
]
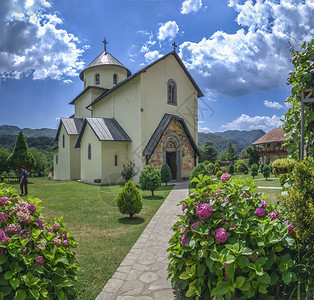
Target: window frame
[
  {"x": 115, "y": 78},
  {"x": 97, "y": 79},
  {"x": 172, "y": 92},
  {"x": 89, "y": 151}
]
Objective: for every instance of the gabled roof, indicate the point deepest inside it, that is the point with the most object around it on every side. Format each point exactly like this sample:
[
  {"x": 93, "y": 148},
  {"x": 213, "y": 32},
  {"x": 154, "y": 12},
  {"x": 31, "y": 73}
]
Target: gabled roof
[
  {"x": 85, "y": 90},
  {"x": 105, "y": 129},
  {"x": 71, "y": 125},
  {"x": 104, "y": 58},
  {"x": 275, "y": 135},
  {"x": 162, "y": 126},
  {"x": 176, "y": 56}
]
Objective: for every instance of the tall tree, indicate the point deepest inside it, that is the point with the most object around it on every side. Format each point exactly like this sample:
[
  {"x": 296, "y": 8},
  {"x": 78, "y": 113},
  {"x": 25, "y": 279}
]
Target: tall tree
[
  {"x": 4, "y": 154},
  {"x": 302, "y": 77},
  {"x": 21, "y": 155},
  {"x": 230, "y": 153},
  {"x": 40, "y": 159},
  {"x": 208, "y": 152},
  {"x": 253, "y": 155}
]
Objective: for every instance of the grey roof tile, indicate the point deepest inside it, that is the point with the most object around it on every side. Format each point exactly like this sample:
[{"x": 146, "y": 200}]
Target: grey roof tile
[{"x": 71, "y": 125}]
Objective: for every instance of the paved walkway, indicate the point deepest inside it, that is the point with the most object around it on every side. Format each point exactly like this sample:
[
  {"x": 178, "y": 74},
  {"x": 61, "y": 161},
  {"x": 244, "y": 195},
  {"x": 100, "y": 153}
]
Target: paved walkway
[{"x": 142, "y": 275}]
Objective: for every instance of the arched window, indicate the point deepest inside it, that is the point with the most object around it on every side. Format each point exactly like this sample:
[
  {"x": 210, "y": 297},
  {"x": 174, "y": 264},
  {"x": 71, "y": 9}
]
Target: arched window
[
  {"x": 63, "y": 141},
  {"x": 172, "y": 92},
  {"x": 57, "y": 159},
  {"x": 97, "y": 79},
  {"x": 89, "y": 152},
  {"x": 115, "y": 79}
]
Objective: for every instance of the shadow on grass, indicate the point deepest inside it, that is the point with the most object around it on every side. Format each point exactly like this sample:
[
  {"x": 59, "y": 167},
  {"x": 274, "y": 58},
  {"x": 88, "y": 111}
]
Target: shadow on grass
[
  {"x": 131, "y": 221},
  {"x": 153, "y": 198}
]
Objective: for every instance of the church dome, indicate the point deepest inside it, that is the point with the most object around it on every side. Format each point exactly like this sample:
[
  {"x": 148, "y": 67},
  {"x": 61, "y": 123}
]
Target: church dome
[{"x": 104, "y": 59}]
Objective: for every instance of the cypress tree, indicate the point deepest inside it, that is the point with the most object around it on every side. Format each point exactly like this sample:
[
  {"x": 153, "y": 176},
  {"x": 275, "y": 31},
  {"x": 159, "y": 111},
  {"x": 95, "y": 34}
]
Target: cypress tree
[
  {"x": 21, "y": 155},
  {"x": 166, "y": 175}
]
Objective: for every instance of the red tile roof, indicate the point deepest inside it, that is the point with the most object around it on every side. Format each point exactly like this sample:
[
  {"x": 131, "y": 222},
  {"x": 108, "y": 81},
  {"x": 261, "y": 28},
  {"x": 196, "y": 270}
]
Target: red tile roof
[{"x": 275, "y": 135}]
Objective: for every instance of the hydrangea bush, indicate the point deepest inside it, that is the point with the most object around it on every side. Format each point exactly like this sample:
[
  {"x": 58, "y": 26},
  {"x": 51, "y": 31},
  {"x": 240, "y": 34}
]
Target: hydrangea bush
[
  {"x": 36, "y": 260},
  {"x": 230, "y": 244}
]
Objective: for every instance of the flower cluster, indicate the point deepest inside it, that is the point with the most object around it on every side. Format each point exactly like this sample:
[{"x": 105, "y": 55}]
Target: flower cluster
[{"x": 225, "y": 177}]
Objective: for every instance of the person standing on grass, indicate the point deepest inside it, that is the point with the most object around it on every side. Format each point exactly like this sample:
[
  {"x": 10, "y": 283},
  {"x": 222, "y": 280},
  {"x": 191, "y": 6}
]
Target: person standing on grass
[{"x": 23, "y": 181}]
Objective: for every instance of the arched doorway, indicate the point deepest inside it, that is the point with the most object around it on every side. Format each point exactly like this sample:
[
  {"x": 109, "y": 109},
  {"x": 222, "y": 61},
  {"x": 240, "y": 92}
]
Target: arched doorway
[{"x": 173, "y": 154}]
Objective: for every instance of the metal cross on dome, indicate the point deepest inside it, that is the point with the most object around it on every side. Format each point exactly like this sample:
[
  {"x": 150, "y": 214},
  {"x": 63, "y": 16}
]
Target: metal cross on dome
[
  {"x": 105, "y": 44},
  {"x": 174, "y": 46}
]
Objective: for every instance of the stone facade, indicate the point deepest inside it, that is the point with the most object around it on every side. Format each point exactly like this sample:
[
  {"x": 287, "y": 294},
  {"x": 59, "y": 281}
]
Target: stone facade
[{"x": 174, "y": 139}]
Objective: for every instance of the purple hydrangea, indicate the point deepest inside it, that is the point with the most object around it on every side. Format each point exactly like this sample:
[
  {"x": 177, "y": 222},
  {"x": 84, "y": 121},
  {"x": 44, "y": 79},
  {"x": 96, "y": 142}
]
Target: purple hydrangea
[
  {"x": 3, "y": 217},
  {"x": 245, "y": 195},
  {"x": 184, "y": 239},
  {"x": 219, "y": 191},
  {"x": 263, "y": 204},
  {"x": 260, "y": 212},
  {"x": 273, "y": 216},
  {"x": 194, "y": 224},
  {"x": 4, "y": 200},
  {"x": 39, "y": 260},
  {"x": 221, "y": 235},
  {"x": 204, "y": 211},
  {"x": 39, "y": 222},
  {"x": 3, "y": 238},
  {"x": 290, "y": 228},
  {"x": 225, "y": 177},
  {"x": 184, "y": 207},
  {"x": 31, "y": 207}
]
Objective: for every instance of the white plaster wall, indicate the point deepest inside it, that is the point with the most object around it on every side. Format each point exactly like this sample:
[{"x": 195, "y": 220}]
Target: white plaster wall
[
  {"x": 75, "y": 159},
  {"x": 106, "y": 75},
  {"x": 85, "y": 100},
  {"x": 90, "y": 169}
]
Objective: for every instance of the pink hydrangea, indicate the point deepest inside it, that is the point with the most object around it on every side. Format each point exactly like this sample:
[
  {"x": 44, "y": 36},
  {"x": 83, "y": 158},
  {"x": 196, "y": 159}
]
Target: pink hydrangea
[
  {"x": 3, "y": 237},
  {"x": 184, "y": 239},
  {"x": 263, "y": 204},
  {"x": 273, "y": 216},
  {"x": 26, "y": 233},
  {"x": 204, "y": 211},
  {"x": 251, "y": 256},
  {"x": 4, "y": 200},
  {"x": 260, "y": 212},
  {"x": 23, "y": 251},
  {"x": 227, "y": 198},
  {"x": 225, "y": 177},
  {"x": 14, "y": 228},
  {"x": 23, "y": 217},
  {"x": 290, "y": 228},
  {"x": 56, "y": 226},
  {"x": 221, "y": 235},
  {"x": 39, "y": 260},
  {"x": 66, "y": 243},
  {"x": 184, "y": 207},
  {"x": 245, "y": 195},
  {"x": 39, "y": 222},
  {"x": 3, "y": 217},
  {"x": 31, "y": 207},
  {"x": 57, "y": 241},
  {"x": 219, "y": 191},
  {"x": 194, "y": 224}
]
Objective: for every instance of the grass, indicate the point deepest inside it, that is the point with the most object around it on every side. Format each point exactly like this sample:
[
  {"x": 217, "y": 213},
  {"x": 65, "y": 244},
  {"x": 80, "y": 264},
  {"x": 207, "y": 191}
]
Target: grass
[{"x": 104, "y": 236}]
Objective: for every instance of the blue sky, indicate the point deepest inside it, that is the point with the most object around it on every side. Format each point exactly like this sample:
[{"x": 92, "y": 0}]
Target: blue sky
[{"x": 236, "y": 50}]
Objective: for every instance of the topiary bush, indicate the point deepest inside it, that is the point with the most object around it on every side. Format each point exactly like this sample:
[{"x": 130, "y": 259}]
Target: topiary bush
[
  {"x": 231, "y": 169},
  {"x": 230, "y": 244},
  {"x": 129, "y": 200},
  {"x": 241, "y": 167},
  {"x": 254, "y": 170},
  {"x": 150, "y": 179},
  {"x": 210, "y": 167},
  {"x": 262, "y": 166},
  {"x": 218, "y": 174},
  {"x": 36, "y": 257},
  {"x": 266, "y": 171},
  {"x": 284, "y": 165},
  {"x": 199, "y": 169},
  {"x": 166, "y": 175}
]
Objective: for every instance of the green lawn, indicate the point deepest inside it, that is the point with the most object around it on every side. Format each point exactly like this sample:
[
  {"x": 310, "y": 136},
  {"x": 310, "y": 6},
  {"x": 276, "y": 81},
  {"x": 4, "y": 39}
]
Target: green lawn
[{"x": 104, "y": 236}]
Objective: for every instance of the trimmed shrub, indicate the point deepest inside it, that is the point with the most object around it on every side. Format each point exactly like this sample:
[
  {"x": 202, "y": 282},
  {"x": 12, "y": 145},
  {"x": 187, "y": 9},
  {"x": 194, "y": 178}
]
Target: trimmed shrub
[
  {"x": 218, "y": 174},
  {"x": 128, "y": 171},
  {"x": 266, "y": 171},
  {"x": 211, "y": 168},
  {"x": 198, "y": 170},
  {"x": 283, "y": 178},
  {"x": 231, "y": 169},
  {"x": 284, "y": 165},
  {"x": 36, "y": 257},
  {"x": 166, "y": 175},
  {"x": 232, "y": 245},
  {"x": 241, "y": 167},
  {"x": 129, "y": 200},
  {"x": 254, "y": 170},
  {"x": 150, "y": 179}
]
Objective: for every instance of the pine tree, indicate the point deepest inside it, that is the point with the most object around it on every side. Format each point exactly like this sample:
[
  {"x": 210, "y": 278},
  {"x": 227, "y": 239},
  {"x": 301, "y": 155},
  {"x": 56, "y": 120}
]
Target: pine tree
[
  {"x": 230, "y": 154},
  {"x": 166, "y": 175},
  {"x": 208, "y": 152},
  {"x": 21, "y": 155}
]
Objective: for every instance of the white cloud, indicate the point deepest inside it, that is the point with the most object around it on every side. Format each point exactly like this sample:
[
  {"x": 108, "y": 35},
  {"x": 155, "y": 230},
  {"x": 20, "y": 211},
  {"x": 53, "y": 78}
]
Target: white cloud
[
  {"x": 256, "y": 57},
  {"x": 245, "y": 122},
  {"x": 274, "y": 104},
  {"x": 189, "y": 6},
  {"x": 152, "y": 55},
  {"x": 168, "y": 30},
  {"x": 33, "y": 44},
  {"x": 204, "y": 129}
]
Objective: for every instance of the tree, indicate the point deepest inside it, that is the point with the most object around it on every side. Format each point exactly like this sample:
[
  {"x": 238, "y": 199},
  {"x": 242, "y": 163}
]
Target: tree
[
  {"x": 266, "y": 171},
  {"x": 230, "y": 154},
  {"x": 208, "y": 152},
  {"x": 197, "y": 170},
  {"x": 302, "y": 77},
  {"x": 150, "y": 179},
  {"x": 253, "y": 155},
  {"x": 4, "y": 154},
  {"x": 244, "y": 154},
  {"x": 231, "y": 169},
  {"x": 21, "y": 155},
  {"x": 254, "y": 170},
  {"x": 166, "y": 175},
  {"x": 129, "y": 200},
  {"x": 40, "y": 159}
]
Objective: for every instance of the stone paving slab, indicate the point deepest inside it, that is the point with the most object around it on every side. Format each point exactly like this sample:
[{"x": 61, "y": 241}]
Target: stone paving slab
[{"x": 142, "y": 275}]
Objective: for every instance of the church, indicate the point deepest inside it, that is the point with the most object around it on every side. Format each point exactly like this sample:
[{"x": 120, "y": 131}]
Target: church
[{"x": 149, "y": 117}]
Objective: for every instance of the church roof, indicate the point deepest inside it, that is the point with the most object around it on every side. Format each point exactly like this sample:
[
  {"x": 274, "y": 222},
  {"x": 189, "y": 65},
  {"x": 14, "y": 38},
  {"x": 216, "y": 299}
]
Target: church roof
[
  {"x": 106, "y": 129},
  {"x": 162, "y": 126},
  {"x": 176, "y": 56},
  {"x": 85, "y": 90},
  {"x": 275, "y": 135},
  {"x": 71, "y": 125},
  {"x": 104, "y": 59}
]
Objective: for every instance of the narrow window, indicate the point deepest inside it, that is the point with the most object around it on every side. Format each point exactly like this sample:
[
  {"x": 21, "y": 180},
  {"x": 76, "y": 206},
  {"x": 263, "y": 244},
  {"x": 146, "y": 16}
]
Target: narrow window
[
  {"x": 63, "y": 141},
  {"x": 172, "y": 92},
  {"x": 116, "y": 160},
  {"x": 57, "y": 159},
  {"x": 89, "y": 152},
  {"x": 97, "y": 79},
  {"x": 115, "y": 78}
]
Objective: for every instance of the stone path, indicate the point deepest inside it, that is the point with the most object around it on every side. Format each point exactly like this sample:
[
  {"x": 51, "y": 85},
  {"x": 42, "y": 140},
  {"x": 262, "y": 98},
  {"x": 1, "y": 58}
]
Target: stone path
[
  {"x": 269, "y": 187},
  {"x": 142, "y": 274}
]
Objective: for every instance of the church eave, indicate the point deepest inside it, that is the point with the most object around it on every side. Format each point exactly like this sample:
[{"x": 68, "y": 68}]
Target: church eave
[{"x": 85, "y": 90}]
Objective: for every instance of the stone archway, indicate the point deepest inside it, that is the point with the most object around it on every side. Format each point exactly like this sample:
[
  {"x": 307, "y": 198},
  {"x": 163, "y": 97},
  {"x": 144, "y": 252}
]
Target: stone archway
[{"x": 172, "y": 152}]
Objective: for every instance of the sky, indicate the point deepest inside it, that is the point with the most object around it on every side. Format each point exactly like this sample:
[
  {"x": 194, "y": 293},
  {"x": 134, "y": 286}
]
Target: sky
[{"x": 236, "y": 50}]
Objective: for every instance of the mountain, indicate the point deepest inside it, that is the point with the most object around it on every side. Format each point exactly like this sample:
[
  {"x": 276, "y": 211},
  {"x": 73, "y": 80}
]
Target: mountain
[
  {"x": 239, "y": 139},
  {"x": 28, "y": 132}
]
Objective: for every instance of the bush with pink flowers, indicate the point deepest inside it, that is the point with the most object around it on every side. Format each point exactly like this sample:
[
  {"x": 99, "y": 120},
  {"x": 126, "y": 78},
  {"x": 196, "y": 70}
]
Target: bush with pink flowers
[
  {"x": 36, "y": 257},
  {"x": 230, "y": 244}
]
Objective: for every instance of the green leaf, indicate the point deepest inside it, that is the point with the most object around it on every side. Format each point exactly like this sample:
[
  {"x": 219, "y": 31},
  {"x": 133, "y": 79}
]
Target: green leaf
[
  {"x": 214, "y": 255},
  {"x": 8, "y": 275},
  {"x": 14, "y": 282},
  {"x": 246, "y": 251},
  {"x": 3, "y": 259},
  {"x": 221, "y": 289},
  {"x": 61, "y": 295},
  {"x": 60, "y": 272},
  {"x": 20, "y": 295},
  {"x": 262, "y": 289},
  {"x": 286, "y": 277},
  {"x": 191, "y": 291},
  {"x": 260, "y": 261},
  {"x": 200, "y": 269},
  {"x": 35, "y": 293},
  {"x": 239, "y": 281},
  {"x": 245, "y": 287},
  {"x": 274, "y": 278},
  {"x": 185, "y": 276},
  {"x": 229, "y": 259},
  {"x": 243, "y": 261}
]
